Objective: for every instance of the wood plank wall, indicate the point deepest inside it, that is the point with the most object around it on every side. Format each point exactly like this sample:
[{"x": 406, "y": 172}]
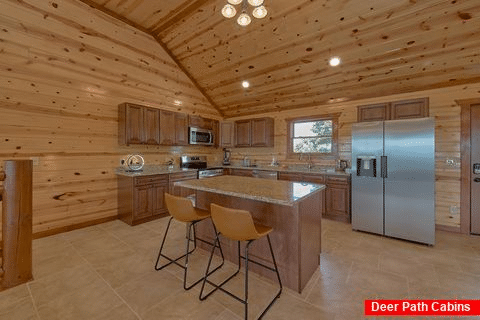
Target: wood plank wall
[
  {"x": 447, "y": 144},
  {"x": 64, "y": 69}
]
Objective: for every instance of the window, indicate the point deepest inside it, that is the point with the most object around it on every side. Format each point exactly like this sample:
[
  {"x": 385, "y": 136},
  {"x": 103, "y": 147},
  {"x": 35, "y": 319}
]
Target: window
[{"x": 313, "y": 135}]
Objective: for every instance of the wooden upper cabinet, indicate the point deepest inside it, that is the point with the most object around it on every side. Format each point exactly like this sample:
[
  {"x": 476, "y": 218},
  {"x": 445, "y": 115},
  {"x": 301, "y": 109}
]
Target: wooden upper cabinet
[
  {"x": 130, "y": 124},
  {"x": 200, "y": 122},
  {"x": 254, "y": 132},
  {"x": 242, "y": 133},
  {"x": 181, "y": 129},
  {"x": 227, "y": 134},
  {"x": 167, "y": 127},
  {"x": 374, "y": 112},
  {"x": 407, "y": 109},
  {"x": 262, "y": 132},
  {"x": 397, "y": 110},
  {"x": 151, "y": 125}
]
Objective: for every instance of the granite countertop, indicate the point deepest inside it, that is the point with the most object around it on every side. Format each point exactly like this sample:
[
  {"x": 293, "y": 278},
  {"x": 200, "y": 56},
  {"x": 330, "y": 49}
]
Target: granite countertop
[
  {"x": 265, "y": 190},
  {"x": 292, "y": 169},
  {"x": 152, "y": 169}
]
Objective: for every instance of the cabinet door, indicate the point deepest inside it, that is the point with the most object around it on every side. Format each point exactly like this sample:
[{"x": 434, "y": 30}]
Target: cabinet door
[
  {"x": 158, "y": 191},
  {"x": 226, "y": 134},
  {"x": 151, "y": 125},
  {"x": 181, "y": 129},
  {"x": 242, "y": 133},
  {"x": 337, "y": 196},
  {"x": 374, "y": 112},
  {"x": 142, "y": 202},
  {"x": 407, "y": 109},
  {"x": 134, "y": 126},
  {"x": 262, "y": 132},
  {"x": 167, "y": 127},
  {"x": 289, "y": 176}
]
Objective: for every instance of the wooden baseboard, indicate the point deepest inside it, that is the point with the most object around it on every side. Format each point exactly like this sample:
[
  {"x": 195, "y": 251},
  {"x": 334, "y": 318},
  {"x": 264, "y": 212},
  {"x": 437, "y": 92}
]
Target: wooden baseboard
[
  {"x": 72, "y": 227},
  {"x": 448, "y": 228}
]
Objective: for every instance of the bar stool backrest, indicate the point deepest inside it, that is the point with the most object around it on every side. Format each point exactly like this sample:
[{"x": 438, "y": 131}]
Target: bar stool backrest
[
  {"x": 180, "y": 208},
  {"x": 235, "y": 224}
]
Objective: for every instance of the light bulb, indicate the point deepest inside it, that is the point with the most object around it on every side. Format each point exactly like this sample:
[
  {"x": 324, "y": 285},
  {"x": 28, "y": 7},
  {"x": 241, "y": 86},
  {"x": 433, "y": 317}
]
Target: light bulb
[
  {"x": 255, "y": 3},
  {"x": 244, "y": 19},
  {"x": 229, "y": 11},
  {"x": 234, "y": 1},
  {"x": 245, "y": 84},
  {"x": 259, "y": 12},
  {"x": 334, "y": 61}
]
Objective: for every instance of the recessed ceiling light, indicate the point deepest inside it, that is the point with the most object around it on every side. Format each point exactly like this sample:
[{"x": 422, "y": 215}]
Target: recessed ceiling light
[
  {"x": 245, "y": 84},
  {"x": 177, "y": 102},
  {"x": 334, "y": 61}
]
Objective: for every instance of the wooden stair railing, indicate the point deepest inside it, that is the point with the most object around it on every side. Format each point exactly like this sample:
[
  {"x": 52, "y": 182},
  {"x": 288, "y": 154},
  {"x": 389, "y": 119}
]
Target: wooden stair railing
[{"x": 16, "y": 197}]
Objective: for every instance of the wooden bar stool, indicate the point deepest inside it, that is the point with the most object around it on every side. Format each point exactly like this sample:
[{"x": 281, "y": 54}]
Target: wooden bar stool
[
  {"x": 238, "y": 225},
  {"x": 181, "y": 209}
]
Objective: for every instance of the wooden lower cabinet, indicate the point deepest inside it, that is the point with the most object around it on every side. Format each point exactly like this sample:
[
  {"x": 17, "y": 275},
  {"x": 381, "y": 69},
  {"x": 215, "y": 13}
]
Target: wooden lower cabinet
[
  {"x": 337, "y": 194},
  {"x": 337, "y": 199},
  {"x": 141, "y": 199}
]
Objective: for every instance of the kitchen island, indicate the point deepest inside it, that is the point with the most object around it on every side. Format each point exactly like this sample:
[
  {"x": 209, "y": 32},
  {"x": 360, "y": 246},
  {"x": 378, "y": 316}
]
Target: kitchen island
[{"x": 292, "y": 209}]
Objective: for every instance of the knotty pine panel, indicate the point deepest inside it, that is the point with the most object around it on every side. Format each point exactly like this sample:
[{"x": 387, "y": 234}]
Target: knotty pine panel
[
  {"x": 65, "y": 68},
  {"x": 447, "y": 140}
]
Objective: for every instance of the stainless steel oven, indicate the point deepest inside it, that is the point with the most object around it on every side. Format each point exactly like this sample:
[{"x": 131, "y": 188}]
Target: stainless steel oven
[
  {"x": 200, "y": 163},
  {"x": 200, "y": 136}
]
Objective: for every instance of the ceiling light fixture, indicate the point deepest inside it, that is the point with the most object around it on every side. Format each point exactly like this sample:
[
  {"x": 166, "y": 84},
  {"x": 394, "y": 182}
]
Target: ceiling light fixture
[
  {"x": 259, "y": 11},
  {"x": 334, "y": 61},
  {"x": 245, "y": 84}
]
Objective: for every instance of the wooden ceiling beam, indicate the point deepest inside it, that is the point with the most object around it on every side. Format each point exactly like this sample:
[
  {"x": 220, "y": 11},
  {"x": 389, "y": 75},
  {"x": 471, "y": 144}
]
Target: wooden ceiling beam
[{"x": 145, "y": 30}]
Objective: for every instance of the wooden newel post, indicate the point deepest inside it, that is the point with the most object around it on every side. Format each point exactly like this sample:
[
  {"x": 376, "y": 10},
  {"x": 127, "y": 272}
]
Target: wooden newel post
[{"x": 17, "y": 223}]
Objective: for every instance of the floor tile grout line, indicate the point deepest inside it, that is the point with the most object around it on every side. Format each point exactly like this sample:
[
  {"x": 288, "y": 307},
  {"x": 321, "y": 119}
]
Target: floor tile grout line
[
  {"x": 33, "y": 302},
  {"x": 106, "y": 282}
]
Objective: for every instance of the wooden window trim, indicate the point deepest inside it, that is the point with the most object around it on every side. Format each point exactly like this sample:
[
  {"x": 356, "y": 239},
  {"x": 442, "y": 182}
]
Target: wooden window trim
[{"x": 314, "y": 155}]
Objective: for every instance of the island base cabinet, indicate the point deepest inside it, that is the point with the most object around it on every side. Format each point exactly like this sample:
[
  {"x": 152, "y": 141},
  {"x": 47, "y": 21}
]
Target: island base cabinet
[
  {"x": 296, "y": 236},
  {"x": 141, "y": 199}
]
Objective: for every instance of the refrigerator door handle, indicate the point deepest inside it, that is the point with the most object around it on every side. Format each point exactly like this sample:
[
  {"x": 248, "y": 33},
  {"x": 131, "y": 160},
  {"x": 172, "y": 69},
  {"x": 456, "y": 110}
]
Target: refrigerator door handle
[{"x": 383, "y": 164}]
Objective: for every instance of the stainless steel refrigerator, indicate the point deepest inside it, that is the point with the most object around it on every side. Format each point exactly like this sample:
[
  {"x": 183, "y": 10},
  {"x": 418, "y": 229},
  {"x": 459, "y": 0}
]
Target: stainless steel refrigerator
[{"x": 393, "y": 178}]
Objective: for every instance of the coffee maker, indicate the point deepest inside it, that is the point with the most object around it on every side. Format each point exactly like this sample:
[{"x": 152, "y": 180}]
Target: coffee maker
[{"x": 226, "y": 157}]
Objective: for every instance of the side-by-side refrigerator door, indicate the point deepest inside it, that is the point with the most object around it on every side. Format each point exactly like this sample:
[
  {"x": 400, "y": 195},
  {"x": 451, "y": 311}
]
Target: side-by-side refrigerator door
[
  {"x": 410, "y": 180},
  {"x": 367, "y": 183}
]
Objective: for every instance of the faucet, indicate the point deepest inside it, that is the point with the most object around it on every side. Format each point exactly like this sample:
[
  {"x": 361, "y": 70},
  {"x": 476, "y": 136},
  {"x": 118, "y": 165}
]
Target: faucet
[{"x": 309, "y": 163}]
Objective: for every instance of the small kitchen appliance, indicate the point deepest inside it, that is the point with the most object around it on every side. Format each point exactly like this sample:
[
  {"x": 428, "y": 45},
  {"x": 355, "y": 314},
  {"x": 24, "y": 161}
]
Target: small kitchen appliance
[{"x": 226, "y": 157}]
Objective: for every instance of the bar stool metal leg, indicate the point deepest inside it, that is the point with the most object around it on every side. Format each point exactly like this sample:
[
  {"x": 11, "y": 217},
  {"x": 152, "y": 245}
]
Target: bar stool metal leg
[
  {"x": 191, "y": 230},
  {"x": 247, "y": 260}
]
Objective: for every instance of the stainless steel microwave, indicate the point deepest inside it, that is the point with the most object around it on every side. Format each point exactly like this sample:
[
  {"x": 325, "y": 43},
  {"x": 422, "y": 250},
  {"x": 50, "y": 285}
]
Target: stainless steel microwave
[{"x": 200, "y": 136}]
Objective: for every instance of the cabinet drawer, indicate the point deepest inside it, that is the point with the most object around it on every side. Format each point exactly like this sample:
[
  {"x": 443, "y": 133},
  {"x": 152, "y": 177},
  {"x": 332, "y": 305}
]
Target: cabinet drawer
[
  {"x": 151, "y": 179},
  {"x": 337, "y": 179},
  {"x": 314, "y": 178}
]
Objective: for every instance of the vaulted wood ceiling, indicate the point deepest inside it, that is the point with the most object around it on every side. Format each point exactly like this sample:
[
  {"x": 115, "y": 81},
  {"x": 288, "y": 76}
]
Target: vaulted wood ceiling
[{"x": 386, "y": 47}]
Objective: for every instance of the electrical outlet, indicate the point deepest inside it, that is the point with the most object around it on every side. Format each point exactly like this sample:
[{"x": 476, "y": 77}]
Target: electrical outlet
[
  {"x": 450, "y": 162},
  {"x": 453, "y": 210}
]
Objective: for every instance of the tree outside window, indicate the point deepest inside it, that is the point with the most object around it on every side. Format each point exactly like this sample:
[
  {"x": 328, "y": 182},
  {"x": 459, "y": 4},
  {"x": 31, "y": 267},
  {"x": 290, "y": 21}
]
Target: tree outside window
[{"x": 314, "y": 135}]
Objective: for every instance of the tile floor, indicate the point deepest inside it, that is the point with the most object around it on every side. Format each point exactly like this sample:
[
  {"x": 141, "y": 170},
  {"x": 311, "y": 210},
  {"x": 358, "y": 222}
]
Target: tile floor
[{"x": 106, "y": 272}]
